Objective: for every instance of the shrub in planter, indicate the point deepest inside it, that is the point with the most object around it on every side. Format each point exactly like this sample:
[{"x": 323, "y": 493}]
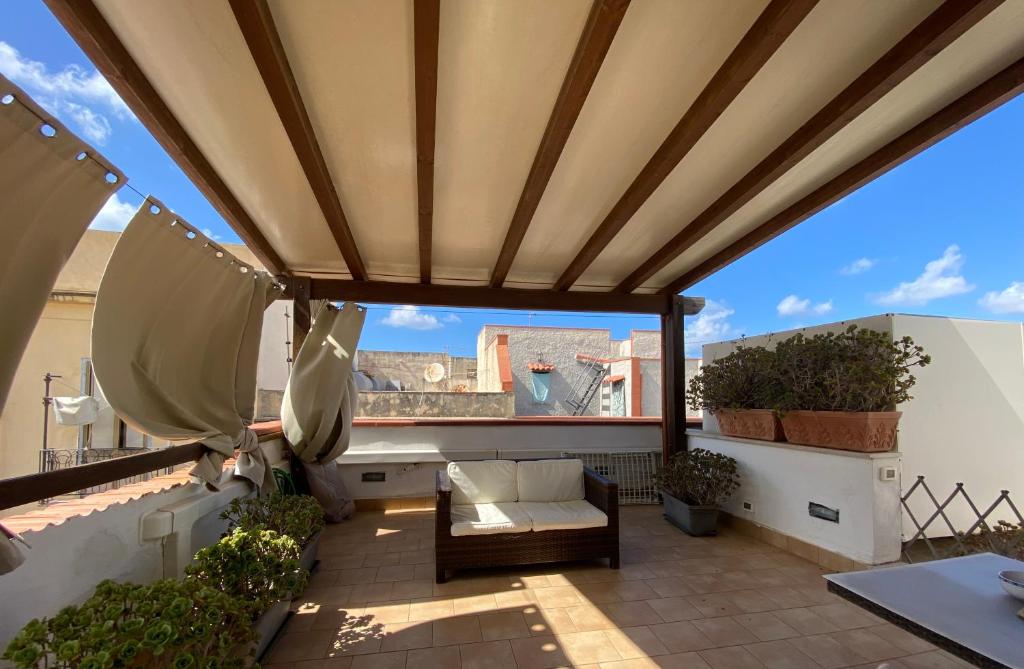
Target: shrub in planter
[
  {"x": 169, "y": 623},
  {"x": 297, "y": 516},
  {"x": 260, "y": 566},
  {"x": 840, "y": 390},
  {"x": 694, "y": 485},
  {"x": 740, "y": 389}
]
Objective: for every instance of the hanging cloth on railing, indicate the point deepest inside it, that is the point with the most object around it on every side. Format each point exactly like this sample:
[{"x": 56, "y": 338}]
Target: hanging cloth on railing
[
  {"x": 52, "y": 186},
  {"x": 175, "y": 340},
  {"x": 320, "y": 399}
]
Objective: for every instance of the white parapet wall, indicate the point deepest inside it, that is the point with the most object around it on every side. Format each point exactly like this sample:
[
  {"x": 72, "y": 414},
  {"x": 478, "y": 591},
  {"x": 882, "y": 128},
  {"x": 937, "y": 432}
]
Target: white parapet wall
[
  {"x": 407, "y": 454},
  {"x": 780, "y": 481}
]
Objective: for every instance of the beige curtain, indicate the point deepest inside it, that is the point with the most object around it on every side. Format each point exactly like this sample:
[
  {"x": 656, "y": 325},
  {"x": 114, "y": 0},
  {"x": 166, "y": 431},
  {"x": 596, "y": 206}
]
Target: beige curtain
[
  {"x": 50, "y": 190},
  {"x": 321, "y": 396},
  {"x": 175, "y": 340}
]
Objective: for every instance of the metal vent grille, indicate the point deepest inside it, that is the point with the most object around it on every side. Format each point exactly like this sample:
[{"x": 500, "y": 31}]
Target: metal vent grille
[{"x": 632, "y": 470}]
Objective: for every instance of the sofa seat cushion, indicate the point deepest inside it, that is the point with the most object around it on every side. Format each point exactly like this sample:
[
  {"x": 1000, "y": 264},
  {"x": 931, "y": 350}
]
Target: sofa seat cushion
[
  {"x": 483, "y": 481},
  {"x": 550, "y": 480},
  {"x": 573, "y": 515},
  {"x": 489, "y": 518}
]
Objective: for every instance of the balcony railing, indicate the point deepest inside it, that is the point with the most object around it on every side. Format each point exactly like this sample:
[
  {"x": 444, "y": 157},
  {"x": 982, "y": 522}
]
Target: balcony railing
[{"x": 51, "y": 460}]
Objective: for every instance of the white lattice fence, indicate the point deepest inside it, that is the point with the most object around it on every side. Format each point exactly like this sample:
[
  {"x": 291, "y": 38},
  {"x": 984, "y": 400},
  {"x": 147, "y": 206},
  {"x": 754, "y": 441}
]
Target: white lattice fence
[{"x": 632, "y": 470}]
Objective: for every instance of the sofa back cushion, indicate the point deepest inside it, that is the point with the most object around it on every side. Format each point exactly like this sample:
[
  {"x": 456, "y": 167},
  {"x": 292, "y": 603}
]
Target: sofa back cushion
[
  {"x": 483, "y": 481},
  {"x": 550, "y": 480}
]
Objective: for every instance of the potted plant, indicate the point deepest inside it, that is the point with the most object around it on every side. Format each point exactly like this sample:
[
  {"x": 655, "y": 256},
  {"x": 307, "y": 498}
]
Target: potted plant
[
  {"x": 297, "y": 516},
  {"x": 694, "y": 485},
  {"x": 739, "y": 389},
  {"x": 840, "y": 389},
  {"x": 258, "y": 566},
  {"x": 168, "y": 623}
]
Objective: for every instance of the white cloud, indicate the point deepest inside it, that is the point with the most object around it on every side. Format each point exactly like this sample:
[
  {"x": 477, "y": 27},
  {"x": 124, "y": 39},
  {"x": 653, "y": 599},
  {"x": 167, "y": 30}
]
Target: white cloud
[
  {"x": 410, "y": 317},
  {"x": 452, "y": 318},
  {"x": 114, "y": 215},
  {"x": 858, "y": 266},
  {"x": 80, "y": 98},
  {"x": 710, "y": 325},
  {"x": 792, "y": 305},
  {"x": 1008, "y": 301},
  {"x": 941, "y": 278}
]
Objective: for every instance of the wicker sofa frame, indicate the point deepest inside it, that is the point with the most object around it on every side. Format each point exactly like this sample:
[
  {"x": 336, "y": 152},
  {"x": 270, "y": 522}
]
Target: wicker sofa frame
[{"x": 522, "y": 548}]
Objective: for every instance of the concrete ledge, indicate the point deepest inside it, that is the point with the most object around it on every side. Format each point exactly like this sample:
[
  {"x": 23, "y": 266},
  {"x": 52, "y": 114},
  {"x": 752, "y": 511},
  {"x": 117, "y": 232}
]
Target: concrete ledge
[{"x": 890, "y": 455}]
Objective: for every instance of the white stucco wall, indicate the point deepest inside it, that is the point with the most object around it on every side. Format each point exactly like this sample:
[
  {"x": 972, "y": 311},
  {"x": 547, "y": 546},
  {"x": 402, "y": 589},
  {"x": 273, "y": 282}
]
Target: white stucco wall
[
  {"x": 409, "y": 455},
  {"x": 780, "y": 480}
]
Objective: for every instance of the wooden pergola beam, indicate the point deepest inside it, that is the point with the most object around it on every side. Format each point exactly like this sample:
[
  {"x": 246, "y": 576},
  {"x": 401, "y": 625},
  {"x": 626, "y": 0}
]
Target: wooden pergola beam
[
  {"x": 257, "y": 25},
  {"x": 935, "y": 33},
  {"x": 598, "y": 33},
  {"x": 437, "y": 295},
  {"x": 84, "y": 22},
  {"x": 426, "y": 26},
  {"x": 771, "y": 29},
  {"x": 1001, "y": 88}
]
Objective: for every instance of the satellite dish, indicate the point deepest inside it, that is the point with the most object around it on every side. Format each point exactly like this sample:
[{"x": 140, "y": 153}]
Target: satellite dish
[{"x": 433, "y": 372}]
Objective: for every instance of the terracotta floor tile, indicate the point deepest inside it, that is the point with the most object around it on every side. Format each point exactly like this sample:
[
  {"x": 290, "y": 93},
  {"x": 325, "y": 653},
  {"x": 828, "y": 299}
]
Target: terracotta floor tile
[
  {"x": 401, "y": 572},
  {"x": 431, "y": 609},
  {"x": 669, "y": 587},
  {"x": 868, "y": 645},
  {"x": 724, "y": 631},
  {"x": 356, "y": 576},
  {"x": 805, "y": 621},
  {"x": 407, "y": 636},
  {"x": 588, "y": 617},
  {"x": 933, "y": 660},
  {"x": 557, "y": 597},
  {"x": 629, "y": 591},
  {"x": 630, "y": 614},
  {"x": 413, "y": 589},
  {"x": 370, "y": 592},
  {"x": 416, "y": 557},
  {"x": 324, "y": 663},
  {"x": 781, "y": 655},
  {"x": 515, "y": 598},
  {"x": 394, "y": 660},
  {"x": 588, "y": 647},
  {"x": 736, "y": 657},
  {"x": 474, "y": 604},
  {"x": 765, "y": 626},
  {"x": 387, "y": 612},
  {"x": 540, "y": 652},
  {"x": 675, "y": 661},
  {"x": 681, "y": 636},
  {"x": 672, "y": 609},
  {"x": 444, "y": 657},
  {"x": 903, "y": 639},
  {"x": 751, "y": 601},
  {"x": 634, "y": 642},
  {"x": 457, "y": 630},
  {"x": 298, "y": 646},
  {"x": 843, "y": 615},
  {"x": 381, "y": 559},
  {"x": 714, "y": 605},
  {"x": 786, "y": 597},
  {"x": 335, "y": 618},
  {"x": 503, "y": 625},
  {"x": 542, "y": 622},
  {"x": 826, "y": 651},
  {"x": 487, "y": 655},
  {"x": 600, "y": 593}
]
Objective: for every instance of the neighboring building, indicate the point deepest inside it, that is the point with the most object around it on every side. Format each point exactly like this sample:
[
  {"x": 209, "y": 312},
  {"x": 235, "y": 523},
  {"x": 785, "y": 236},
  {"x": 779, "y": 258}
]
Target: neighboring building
[
  {"x": 555, "y": 371},
  {"x": 399, "y": 370}
]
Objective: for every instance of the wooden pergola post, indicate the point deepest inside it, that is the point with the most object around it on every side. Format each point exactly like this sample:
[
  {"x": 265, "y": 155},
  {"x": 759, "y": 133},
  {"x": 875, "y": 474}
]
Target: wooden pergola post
[
  {"x": 301, "y": 322},
  {"x": 673, "y": 380}
]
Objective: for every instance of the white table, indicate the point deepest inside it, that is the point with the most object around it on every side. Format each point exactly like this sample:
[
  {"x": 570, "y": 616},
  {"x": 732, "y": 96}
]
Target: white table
[{"x": 956, "y": 604}]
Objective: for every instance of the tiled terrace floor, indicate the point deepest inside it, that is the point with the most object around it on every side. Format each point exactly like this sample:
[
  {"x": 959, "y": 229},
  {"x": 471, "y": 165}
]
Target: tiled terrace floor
[{"x": 723, "y": 603}]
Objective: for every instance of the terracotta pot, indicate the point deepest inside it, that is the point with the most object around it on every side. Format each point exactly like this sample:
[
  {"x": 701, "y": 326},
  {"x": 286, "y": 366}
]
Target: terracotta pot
[
  {"x": 750, "y": 423},
  {"x": 864, "y": 431}
]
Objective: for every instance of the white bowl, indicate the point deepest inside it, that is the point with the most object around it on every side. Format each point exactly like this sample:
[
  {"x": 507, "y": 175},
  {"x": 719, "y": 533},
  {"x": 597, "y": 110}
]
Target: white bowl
[{"x": 1013, "y": 583}]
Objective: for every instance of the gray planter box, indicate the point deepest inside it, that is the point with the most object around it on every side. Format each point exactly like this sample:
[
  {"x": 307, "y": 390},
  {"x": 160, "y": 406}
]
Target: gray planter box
[
  {"x": 269, "y": 624},
  {"x": 308, "y": 558},
  {"x": 697, "y": 521}
]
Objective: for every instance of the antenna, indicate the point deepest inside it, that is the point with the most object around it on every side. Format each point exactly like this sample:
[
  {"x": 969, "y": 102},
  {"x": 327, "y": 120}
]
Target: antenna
[{"x": 433, "y": 373}]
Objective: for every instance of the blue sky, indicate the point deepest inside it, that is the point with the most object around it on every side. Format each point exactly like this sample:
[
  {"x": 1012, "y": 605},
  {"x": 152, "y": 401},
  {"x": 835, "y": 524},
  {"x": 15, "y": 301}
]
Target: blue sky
[{"x": 942, "y": 234}]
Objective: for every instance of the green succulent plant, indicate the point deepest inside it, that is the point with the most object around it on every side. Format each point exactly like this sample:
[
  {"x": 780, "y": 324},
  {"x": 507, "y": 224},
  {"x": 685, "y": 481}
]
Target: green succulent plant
[
  {"x": 744, "y": 379},
  {"x": 297, "y": 516},
  {"x": 169, "y": 623},
  {"x": 259, "y": 566},
  {"x": 699, "y": 477}
]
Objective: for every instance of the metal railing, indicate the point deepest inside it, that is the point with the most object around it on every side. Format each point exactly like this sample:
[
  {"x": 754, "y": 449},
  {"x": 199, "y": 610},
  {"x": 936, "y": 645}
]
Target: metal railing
[
  {"x": 51, "y": 460},
  {"x": 633, "y": 470},
  {"x": 987, "y": 532}
]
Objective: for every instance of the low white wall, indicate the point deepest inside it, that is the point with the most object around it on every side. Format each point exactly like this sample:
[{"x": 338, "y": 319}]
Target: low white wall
[
  {"x": 409, "y": 455},
  {"x": 780, "y": 480}
]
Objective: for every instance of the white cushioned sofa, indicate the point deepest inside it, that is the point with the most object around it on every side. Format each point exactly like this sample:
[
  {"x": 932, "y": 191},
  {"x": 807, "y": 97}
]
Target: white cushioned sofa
[{"x": 506, "y": 512}]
